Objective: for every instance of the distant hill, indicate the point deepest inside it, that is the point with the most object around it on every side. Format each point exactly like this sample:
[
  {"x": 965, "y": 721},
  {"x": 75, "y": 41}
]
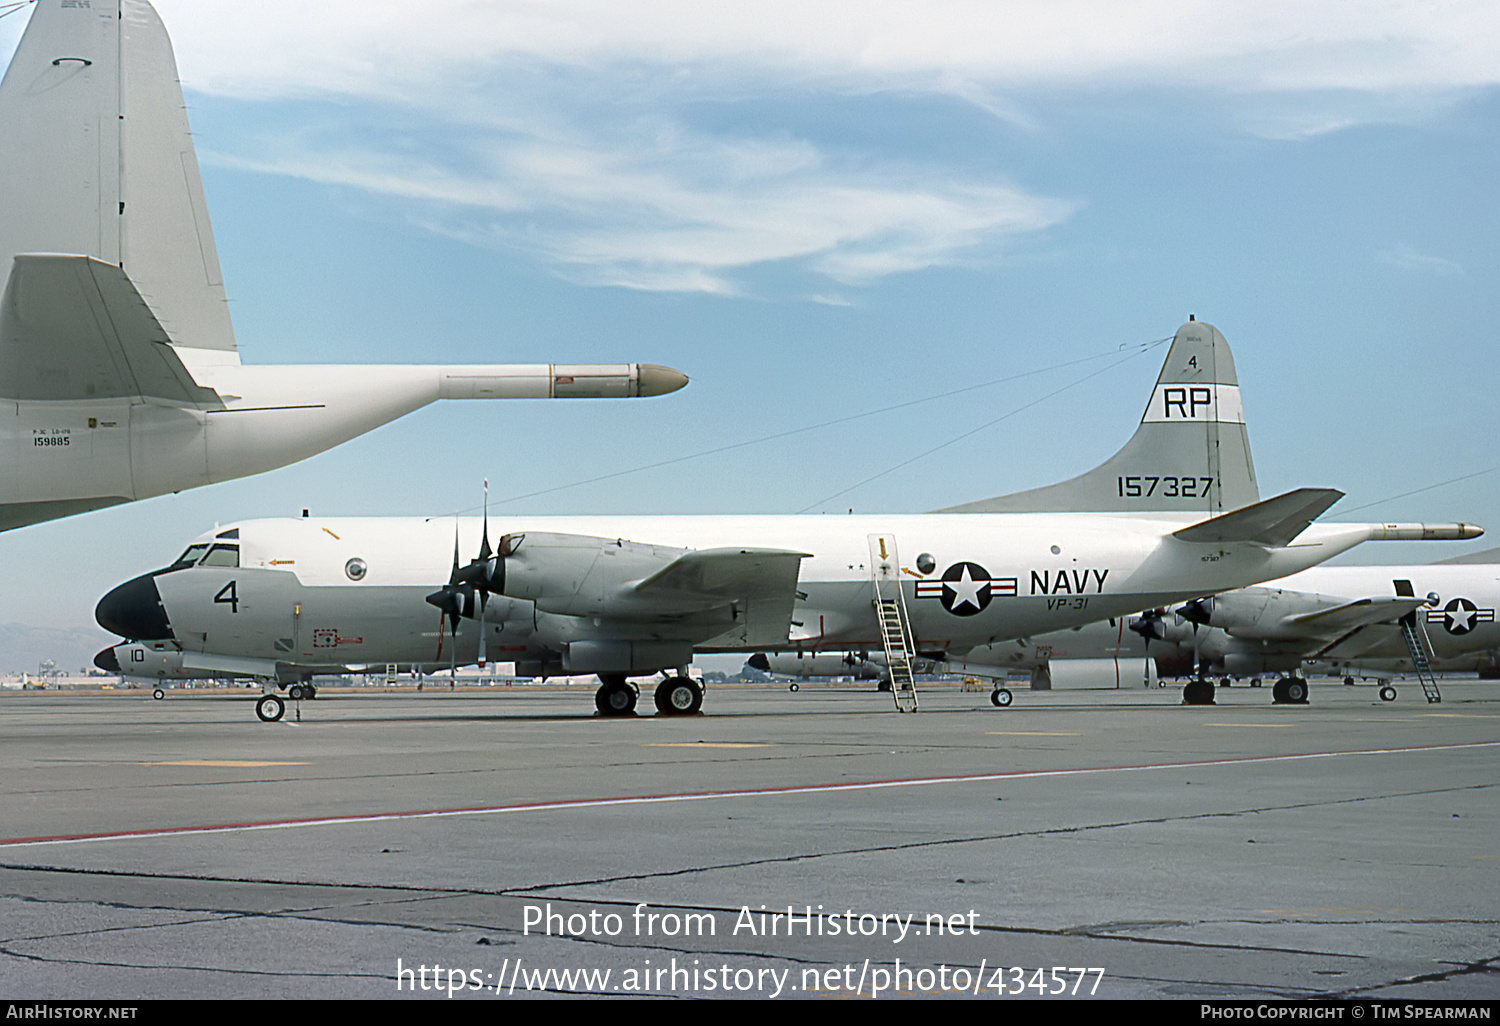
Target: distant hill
[{"x": 23, "y": 648}]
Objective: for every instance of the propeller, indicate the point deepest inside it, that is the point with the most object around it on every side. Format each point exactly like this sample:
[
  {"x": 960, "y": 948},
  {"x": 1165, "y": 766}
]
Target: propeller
[
  {"x": 478, "y": 579},
  {"x": 1151, "y": 626},
  {"x": 1199, "y": 611}
]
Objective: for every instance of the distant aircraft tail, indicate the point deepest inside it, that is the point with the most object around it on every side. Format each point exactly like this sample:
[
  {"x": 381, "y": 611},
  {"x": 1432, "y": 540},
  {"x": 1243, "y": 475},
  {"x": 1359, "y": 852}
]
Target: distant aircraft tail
[
  {"x": 98, "y": 162},
  {"x": 1191, "y": 453}
]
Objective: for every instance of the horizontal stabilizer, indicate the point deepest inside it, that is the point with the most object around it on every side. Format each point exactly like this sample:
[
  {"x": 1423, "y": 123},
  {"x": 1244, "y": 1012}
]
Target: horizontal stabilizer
[
  {"x": 73, "y": 327},
  {"x": 1359, "y": 613},
  {"x": 1274, "y": 522}
]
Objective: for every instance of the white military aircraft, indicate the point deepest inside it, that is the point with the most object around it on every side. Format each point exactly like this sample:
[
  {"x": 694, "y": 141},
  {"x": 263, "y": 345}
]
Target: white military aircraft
[
  {"x": 117, "y": 359},
  {"x": 1343, "y": 620},
  {"x": 626, "y": 597}
]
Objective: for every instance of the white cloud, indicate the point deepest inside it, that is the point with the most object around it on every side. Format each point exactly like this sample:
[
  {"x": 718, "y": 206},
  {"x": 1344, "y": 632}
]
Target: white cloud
[
  {"x": 686, "y": 212},
  {"x": 393, "y": 48},
  {"x": 605, "y": 136},
  {"x": 1408, "y": 259}
]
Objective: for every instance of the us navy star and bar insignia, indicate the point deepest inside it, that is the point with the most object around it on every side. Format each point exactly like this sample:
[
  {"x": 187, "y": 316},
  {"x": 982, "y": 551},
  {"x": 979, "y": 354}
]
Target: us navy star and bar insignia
[
  {"x": 1460, "y": 616},
  {"x": 965, "y": 588}
]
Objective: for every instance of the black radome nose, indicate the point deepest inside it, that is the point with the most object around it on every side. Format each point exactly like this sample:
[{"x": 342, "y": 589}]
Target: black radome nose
[
  {"x": 107, "y": 661},
  {"x": 134, "y": 611}
]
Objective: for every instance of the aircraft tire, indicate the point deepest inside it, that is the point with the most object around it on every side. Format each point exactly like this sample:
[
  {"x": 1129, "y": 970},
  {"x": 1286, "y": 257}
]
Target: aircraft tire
[
  {"x": 1198, "y": 692},
  {"x": 158, "y": 694},
  {"x": 295, "y": 693},
  {"x": 615, "y": 699},
  {"x": 309, "y": 691},
  {"x": 678, "y": 696},
  {"x": 794, "y": 686},
  {"x": 270, "y": 708},
  {"x": 1348, "y": 682},
  {"x": 1296, "y": 691},
  {"x": 1278, "y": 691},
  {"x": 1387, "y": 694},
  {"x": 1001, "y": 698}
]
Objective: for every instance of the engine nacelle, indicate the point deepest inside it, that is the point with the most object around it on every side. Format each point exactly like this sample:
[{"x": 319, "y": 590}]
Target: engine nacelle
[
  {"x": 576, "y": 574},
  {"x": 627, "y": 657}
]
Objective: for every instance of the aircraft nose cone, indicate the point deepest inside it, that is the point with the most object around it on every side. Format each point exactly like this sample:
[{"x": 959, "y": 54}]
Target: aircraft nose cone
[
  {"x": 107, "y": 661},
  {"x": 134, "y": 611}
]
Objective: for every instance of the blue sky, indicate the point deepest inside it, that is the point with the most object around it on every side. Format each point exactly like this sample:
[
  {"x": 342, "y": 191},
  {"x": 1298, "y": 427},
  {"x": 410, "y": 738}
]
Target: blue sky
[{"x": 823, "y": 208}]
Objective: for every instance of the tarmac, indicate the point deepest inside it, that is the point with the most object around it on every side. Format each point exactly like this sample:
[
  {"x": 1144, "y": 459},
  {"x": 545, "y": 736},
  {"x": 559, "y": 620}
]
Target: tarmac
[{"x": 503, "y": 843}]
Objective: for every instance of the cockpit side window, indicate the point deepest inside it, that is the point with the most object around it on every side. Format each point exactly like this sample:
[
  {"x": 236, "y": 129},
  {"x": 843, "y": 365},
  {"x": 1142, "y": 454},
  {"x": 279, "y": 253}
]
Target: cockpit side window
[
  {"x": 190, "y": 557},
  {"x": 222, "y": 555}
]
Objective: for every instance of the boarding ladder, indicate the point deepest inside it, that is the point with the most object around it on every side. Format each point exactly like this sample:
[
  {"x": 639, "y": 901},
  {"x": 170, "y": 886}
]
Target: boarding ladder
[
  {"x": 1420, "y": 648},
  {"x": 895, "y": 624}
]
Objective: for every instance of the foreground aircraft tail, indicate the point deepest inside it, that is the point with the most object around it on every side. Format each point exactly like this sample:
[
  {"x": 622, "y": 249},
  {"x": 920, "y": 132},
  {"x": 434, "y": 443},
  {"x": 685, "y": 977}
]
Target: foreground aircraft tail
[
  {"x": 1191, "y": 453},
  {"x": 98, "y": 162},
  {"x": 118, "y": 363}
]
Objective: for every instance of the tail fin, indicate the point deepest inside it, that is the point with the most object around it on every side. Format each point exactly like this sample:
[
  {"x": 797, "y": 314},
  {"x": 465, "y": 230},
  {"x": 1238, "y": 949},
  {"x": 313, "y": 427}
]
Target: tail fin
[
  {"x": 98, "y": 161},
  {"x": 1191, "y": 453}
]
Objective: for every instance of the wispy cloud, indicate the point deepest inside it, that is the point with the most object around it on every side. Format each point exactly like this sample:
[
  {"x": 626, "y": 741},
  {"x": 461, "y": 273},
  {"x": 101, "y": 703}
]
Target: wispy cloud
[
  {"x": 684, "y": 212},
  {"x": 381, "y": 47},
  {"x": 1408, "y": 259}
]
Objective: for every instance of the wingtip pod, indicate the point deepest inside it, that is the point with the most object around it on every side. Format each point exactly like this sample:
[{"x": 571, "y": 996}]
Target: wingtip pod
[{"x": 1424, "y": 532}]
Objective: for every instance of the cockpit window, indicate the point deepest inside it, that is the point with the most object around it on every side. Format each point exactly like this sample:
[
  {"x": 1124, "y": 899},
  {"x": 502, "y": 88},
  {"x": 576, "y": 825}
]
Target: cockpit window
[
  {"x": 222, "y": 555},
  {"x": 190, "y": 557}
]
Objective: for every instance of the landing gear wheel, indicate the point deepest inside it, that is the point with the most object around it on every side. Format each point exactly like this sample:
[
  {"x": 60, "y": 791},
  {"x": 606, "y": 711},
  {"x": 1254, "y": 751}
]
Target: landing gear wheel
[
  {"x": 295, "y": 693},
  {"x": 1387, "y": 694},
  {"x": 270, "y": 708},
  {"x": 1198, "y": 692},
  {"x": 1290, "y": 691},
  {"x": 158, "y": 694},
  {"x": 309, "y": 692},
  {"x": 615, "y": 698},
  {"x": 1001, "y": 697},
  {"x": 1255, "y": 682},
  {"x": 678, "y": 696},
  {"x": 794, "y": 687},
  {"x": 1348, "y": 682}
]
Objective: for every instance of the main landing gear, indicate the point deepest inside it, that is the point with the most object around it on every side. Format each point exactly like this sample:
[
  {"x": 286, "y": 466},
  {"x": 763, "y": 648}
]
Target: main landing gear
[
  {"x": 678, "y": 695},
  {"x": 1198, "y": 692},
  {"x": 1290, "y": 691}
]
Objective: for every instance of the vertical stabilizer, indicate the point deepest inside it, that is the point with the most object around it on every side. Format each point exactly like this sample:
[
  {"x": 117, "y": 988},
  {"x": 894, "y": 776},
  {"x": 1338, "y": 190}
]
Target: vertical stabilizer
[
  {"x": 96, "y": 160},
  {"x": 1191, "y": 453}
]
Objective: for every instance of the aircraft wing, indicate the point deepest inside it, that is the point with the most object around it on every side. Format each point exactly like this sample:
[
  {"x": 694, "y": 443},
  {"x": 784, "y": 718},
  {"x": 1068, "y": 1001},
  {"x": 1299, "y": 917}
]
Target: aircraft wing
[
  {"x": 1274, "y": 522},
  {"x": 762, "y": 583},
  {"x": 1352, "y": 615},
  {"x": 73, "y": 327}
]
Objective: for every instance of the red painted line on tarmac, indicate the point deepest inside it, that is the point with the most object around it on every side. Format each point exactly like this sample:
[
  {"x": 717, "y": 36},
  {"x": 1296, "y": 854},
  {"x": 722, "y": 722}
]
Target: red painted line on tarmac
[{"x": 698, "y": 796}]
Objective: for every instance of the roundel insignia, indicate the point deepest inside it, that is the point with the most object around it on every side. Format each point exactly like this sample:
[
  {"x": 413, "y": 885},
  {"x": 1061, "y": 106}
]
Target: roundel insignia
[
  {"x": 966, "y": 589},
  {"x": 1459, "y": 615}
]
